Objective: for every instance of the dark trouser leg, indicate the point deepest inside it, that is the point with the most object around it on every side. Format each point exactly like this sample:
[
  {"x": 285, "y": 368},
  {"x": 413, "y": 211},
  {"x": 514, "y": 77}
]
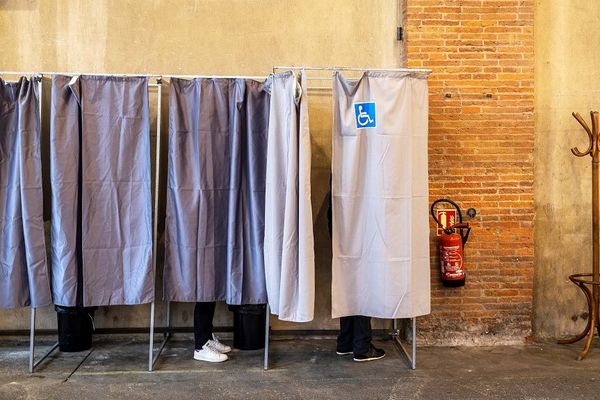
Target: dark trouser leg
[
  {"x": 362, "y": 334},
  {"x": 203, "y": 326},
  {"x": 346, "y": 337}
]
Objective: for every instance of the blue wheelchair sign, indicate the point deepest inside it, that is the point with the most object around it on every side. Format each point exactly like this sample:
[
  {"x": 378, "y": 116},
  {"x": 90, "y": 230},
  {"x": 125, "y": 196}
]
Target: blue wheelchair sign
[{"x": 365, "y": 115}]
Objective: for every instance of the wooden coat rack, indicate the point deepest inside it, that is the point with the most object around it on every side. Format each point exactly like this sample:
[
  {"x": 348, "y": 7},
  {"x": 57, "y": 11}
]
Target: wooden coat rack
[{"x": 586, "y": 280}]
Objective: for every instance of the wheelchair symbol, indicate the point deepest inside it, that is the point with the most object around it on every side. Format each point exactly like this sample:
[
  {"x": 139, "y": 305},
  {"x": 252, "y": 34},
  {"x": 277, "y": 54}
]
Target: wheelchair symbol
[
  {"x": 363, "y": 118},
  {"x": 365, "y": 115}
]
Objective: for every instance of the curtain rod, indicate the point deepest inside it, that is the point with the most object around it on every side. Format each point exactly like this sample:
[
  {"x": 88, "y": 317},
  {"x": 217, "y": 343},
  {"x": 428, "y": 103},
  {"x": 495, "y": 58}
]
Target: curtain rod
[
  {"x": 77, "y": 73},
  {"x": 255, "y": 77},
  {"x": 20, "y": 73},
  {"x": 416, "y": 70},
  {"x": 158, "y": 76}
]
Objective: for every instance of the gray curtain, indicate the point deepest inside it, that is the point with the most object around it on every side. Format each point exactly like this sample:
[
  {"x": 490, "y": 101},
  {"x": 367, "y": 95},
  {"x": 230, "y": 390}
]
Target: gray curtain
[
  {"x": 23, "y": 268},
  {"x": 289, "y": 242},
  {"x": 101, "y": 201},
  {"x": 216, "y": 191}
]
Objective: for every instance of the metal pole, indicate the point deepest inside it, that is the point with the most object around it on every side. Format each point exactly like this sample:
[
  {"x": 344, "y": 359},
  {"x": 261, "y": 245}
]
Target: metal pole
[
  {"x": 357, "y": 69},
  {"x": 31, "y": 339},
  {"x": 412, "y": 356},
  {"x": 414, "y": 343},
  {"x": 151, "y": 345},
  {"x": 32, "y": 363},
  {"x": 157, "y": 169},
  {"x": 77, "y": 73},
  {"x": 253, "y": 77},
  {"x": 157, "y": 76},
  {"x": 166, "y": 334},
  {"x": 267, "y": 325},
  {"x": 168, "y": 319},
  {"x": 155, "y": 222},
  {"x": 32, "y": 320}
]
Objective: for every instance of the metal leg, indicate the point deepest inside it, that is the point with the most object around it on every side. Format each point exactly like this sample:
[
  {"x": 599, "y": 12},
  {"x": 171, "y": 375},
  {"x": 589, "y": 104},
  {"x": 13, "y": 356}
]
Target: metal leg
[
  {"x": 166, "y": 335},
  {"x": 267, "y": 325},
  {"x": 412, "y": 357},
  {"x": 414, "y": 343},
  {"x": 151, "y": 359},
  {"x": 32, "y": 363},
  {"x": 168, "y": 319},
  {"x": 54, "y": 347},
  {"x": 151, "y": 346},
  {"x": 31, "y": 339}
]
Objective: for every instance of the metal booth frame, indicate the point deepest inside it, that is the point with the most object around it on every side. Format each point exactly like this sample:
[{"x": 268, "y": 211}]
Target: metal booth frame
[{"x": 153, "y": 355}]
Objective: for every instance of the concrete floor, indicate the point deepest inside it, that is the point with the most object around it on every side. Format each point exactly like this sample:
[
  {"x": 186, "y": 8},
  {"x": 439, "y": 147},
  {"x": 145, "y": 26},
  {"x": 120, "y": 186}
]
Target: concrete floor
[{"x": 301, "y": 369}]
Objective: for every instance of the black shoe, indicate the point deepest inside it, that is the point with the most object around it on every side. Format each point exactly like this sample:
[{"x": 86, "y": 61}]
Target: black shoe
[
  {"x": 373, "y": 354},
  {"x": 341, "y": 352}
]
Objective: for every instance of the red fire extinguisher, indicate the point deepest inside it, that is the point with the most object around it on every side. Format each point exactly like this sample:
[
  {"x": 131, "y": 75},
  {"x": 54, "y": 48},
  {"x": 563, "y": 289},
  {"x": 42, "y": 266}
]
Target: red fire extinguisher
[{"x": 452, "y": 241}]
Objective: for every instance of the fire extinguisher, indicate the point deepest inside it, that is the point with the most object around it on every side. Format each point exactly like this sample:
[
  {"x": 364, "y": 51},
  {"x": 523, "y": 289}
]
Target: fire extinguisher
[{"x": 452, "y": 241}]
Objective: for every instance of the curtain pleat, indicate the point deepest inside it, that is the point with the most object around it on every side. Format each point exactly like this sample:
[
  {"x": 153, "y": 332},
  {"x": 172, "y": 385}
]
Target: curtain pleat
[
  {"x": 289, "y": 242},
  {"x": 24, "y": 279},
  {"x": 380, "y": 196},
  {"x": 216, "y": 187},
  {"x": 101, "y": 200}
]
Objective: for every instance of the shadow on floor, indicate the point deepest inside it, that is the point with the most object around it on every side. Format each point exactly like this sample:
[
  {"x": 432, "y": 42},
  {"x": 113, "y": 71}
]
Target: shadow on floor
[{"x": 116, "y": 367}]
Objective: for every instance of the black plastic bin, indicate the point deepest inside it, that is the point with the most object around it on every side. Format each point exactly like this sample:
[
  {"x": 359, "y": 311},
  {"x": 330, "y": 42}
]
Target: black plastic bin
[
  {"x": 249, "y": 326},
  {"x": 75, "y": 328}
]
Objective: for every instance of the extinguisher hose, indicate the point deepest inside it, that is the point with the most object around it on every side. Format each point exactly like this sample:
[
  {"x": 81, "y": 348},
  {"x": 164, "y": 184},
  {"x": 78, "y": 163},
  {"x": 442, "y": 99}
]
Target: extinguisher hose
[
  {"x": 445, "y": 201},
  {"x": 463, "y": 235}
]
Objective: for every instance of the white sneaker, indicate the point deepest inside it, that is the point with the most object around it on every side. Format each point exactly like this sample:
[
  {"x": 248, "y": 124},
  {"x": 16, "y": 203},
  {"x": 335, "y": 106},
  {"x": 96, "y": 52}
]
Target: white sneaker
[
  {"x": 209, "y": 354},
  {"x": 218, "y": 346}
]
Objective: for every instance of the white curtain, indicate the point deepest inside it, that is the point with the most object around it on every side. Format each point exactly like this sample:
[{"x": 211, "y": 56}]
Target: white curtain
[
  {"x": 289, "y": 243},
  {"x": 380, "y": 196}
]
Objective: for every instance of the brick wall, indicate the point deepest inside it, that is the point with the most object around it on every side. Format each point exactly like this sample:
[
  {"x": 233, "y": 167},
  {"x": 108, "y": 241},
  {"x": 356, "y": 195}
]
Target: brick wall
[{"x": 481, "y": 136}]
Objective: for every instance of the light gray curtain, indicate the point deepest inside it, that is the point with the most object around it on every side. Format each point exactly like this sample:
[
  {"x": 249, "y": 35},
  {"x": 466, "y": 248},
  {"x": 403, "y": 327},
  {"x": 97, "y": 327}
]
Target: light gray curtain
[
  {"x": 24, "y": 277},
  {"x": 380, "y": 196},
  {"x": 101, "y": 201},
  {"x": 216, "y": 188},
  {"x": 289, "y": 242}
]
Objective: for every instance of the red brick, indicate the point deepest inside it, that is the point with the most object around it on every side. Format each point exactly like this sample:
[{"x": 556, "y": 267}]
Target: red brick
[{"x": 480, "y": 155}]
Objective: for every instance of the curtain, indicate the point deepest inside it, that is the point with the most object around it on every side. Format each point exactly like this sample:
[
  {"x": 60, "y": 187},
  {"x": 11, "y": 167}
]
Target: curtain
[
  {"x": 380, "y": 196},
  {"x": 216, "y": 191},
  {"x": 289, "y": 242},
  {"x": 24, "y": 277},
  {"x": 101, "y": 201}
]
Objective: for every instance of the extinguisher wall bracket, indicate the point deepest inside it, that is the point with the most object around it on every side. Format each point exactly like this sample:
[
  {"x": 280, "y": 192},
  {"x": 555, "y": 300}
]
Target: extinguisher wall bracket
[{"x": 464, "y": 236}]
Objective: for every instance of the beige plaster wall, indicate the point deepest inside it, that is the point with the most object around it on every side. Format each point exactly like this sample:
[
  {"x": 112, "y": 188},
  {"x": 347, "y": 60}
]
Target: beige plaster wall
[
  {"x": 234, "y": 37},
  {"x": 567, "y": 79}
]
